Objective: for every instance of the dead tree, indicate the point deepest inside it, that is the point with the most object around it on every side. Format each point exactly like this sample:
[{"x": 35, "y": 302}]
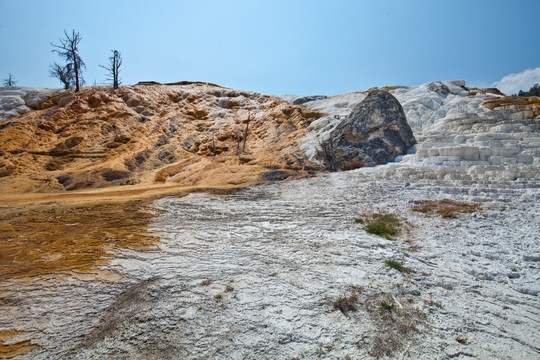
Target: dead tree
[
  {"x": 113, "y": 68},
  {"x": 69, "y": 51},
  {"x": 246, "y": 133},
  {"x": 10, "y": 80},
  {"x": 62, "y": 73}
]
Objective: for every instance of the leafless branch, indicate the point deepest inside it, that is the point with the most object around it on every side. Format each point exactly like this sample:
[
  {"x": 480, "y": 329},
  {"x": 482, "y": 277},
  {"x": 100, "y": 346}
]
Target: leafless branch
[{"x": 68, "y": 49}]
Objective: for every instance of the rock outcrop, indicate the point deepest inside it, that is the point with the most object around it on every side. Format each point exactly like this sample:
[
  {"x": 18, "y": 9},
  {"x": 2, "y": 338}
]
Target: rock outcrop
[
  {"x": 192, "y": 134},
  {"x": 16, "y": 100},
  {"x": 374, "y": 133},
  {"x": 464, "y": 135}
]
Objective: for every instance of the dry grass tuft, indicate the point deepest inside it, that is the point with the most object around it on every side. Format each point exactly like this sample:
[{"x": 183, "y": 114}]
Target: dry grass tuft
[
  {"x": 397, "y": 322},
  {"x": 348, "y": 302},
  {"x": 448, "y": 209}
]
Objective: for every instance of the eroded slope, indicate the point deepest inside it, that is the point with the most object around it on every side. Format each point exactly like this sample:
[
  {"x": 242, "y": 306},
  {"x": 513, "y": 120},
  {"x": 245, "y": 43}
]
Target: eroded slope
[{"x": 191, "y": 134}]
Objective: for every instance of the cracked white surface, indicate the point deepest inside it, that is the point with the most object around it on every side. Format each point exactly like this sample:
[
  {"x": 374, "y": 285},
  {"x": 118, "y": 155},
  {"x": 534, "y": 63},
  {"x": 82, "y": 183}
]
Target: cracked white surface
[{"x": 287, "y": 249}]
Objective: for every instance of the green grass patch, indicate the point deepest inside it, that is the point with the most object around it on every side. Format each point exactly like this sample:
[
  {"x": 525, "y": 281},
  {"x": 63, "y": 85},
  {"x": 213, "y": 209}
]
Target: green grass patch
[
  {"x": 388, "y": 307},
  {"x": 396, "y": 265},
  {"x": 384, "y": 225}
]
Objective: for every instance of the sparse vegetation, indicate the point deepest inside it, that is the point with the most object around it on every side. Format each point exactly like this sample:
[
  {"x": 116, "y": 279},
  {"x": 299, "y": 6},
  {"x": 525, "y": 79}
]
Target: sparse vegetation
[
  {"x": 394, "y": 264},
  {"x": 433, "y": 303},
  {"x": 348, "y": 301},
  {"x": 395, "y": 324},
  {"x": 461, "y": 339},
  {"x": 218, "y": 297},
  {"x": 229, "y": 288},
  {"x": 388, "y": 307},
  {"x": 324, "y": 350},
  {"x": 205, "y": 282},
  {"x": 385, "y": 225},
  {"x": 10, "y": 80},
  {"x": 447, "y": 208},
  {"x": 533, "y": 91}
]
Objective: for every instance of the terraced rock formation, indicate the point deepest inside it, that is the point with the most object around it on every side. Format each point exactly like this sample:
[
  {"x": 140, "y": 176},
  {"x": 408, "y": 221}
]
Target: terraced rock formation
[
  {"x": 470, "y": 136},
  {"x": 193, "y": 134},
  {"x": 279, "y": 271}
]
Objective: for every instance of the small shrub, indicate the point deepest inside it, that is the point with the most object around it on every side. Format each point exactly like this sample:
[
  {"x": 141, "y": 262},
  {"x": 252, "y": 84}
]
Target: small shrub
[
  {"x": 229, "y": 288},
  {"x": 348, "y": 301},
  {"x": 388, "y": 307},
  {"x": 218, "y": 297},
  {"x": 434, "y": 303},
  {"x": 384, "y": 225},
  {"x": 205, "y": 282},
  {"x": 461, "y": 339},
  {"x": 447, "y": 208}
]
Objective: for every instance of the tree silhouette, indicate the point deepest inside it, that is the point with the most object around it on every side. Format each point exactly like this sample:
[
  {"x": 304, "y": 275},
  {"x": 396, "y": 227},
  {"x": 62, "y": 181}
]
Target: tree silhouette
[
  {"x": 69, "y": 51},
  {"x": 533, "y": 91},
  {"x": 10, "y": 80},
  {"x": 62, "y": 73},
  {"x": 113, "y": 68}
]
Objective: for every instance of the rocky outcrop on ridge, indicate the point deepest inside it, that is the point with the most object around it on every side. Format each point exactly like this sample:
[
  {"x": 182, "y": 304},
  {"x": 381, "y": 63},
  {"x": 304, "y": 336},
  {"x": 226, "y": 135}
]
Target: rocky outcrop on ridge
[
  {"x": 374, "y": 133},
  {"x": 16, "y": 100},
  {"x": 191, "y": 134},
  {"x": 469, "y": 136}
]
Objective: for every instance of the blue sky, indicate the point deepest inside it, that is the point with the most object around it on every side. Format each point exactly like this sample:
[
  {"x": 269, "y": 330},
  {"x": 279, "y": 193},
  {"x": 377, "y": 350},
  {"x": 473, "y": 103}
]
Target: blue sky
[{"x": 275, "y": 46}]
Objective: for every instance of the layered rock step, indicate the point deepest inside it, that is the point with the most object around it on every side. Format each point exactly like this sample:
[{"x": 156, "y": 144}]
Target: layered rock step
[{"x": 464, "y": 136}]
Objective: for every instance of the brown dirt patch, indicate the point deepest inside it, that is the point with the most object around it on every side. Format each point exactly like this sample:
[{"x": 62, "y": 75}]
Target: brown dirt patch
[{"x": 10, "y": 349}]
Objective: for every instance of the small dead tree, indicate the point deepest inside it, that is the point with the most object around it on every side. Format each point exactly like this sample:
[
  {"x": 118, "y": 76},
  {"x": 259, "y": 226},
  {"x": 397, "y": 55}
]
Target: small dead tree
[
  {"x": 68, "y": 49},
  {"x": 246, "y": 133},
  {"x": 113, "y": 68},
  {"x": 62, "y": 73},
  {"x": 10, "y": 80}
]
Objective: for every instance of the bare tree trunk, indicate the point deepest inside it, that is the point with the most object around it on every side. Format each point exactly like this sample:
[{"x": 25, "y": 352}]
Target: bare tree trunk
[
  {"x": 246, "y": 134},
  {"x": 75, "y": 67}
]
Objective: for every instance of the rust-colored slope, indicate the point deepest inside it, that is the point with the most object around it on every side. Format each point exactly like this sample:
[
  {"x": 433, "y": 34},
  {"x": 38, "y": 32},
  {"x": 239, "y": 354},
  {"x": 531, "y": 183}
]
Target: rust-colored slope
[{"x": 189, "y": 135}]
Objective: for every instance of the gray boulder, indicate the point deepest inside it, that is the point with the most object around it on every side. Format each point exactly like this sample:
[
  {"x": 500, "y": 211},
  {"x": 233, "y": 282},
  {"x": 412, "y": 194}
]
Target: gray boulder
[
  {"x": 374, "y": 133},
  {"x": 306, "y": 99}
]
